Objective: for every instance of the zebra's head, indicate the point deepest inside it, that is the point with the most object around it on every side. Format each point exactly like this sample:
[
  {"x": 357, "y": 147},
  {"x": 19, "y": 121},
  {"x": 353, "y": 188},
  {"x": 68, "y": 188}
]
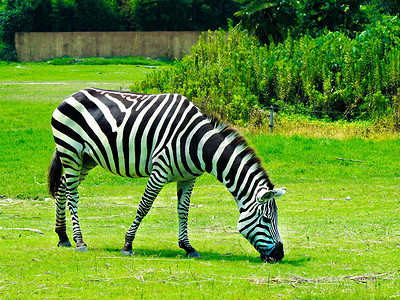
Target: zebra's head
[{"x": 259, "y": 224}]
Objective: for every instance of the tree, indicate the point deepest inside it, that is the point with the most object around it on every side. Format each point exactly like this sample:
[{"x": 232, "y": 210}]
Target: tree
[
  {"x": 391, "y": 7},
  {"x": 62, "y": 16},
  {"x": 16, "y": 17},
  {"x": 40, "y": 16},
  {"x": 97, "y": 15},
  {"x": 334, "y": 15},
  {"x": 266, "y": 19},
  {"x": 150, "y": 15},
  {"x": 212, "y": 15}
]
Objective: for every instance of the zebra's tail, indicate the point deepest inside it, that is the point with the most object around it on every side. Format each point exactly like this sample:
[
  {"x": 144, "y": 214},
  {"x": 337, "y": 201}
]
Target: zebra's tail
[{"x": 54, "y": 174}]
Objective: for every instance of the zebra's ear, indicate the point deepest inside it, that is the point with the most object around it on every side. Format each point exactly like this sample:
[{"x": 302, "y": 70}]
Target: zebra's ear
[
  {"x": 279, "y": 192},
  {"x": 266, "y": 195}
]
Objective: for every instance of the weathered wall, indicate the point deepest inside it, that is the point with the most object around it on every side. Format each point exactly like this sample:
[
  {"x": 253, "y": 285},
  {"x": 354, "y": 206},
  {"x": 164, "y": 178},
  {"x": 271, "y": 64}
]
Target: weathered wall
[{"x": 40, "y": 46}]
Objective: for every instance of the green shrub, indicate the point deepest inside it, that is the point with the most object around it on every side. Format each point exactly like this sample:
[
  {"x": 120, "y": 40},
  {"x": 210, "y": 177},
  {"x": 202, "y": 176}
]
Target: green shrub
[
  {"x": 219, "y": 76},
  {"x": 7, "y": 52},
  {"x": 332, "y": 76}
]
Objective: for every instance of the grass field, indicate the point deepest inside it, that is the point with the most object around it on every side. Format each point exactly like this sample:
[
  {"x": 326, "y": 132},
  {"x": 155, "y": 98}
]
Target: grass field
[{"x": 335, "y": 248}]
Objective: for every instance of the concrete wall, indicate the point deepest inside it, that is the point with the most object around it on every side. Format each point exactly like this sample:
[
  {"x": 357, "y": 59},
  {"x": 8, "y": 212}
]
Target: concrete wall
[{"x": 40, "y": 46}]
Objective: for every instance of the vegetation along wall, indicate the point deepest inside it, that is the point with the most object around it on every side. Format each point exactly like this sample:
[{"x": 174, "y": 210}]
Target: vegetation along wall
[{"x": 40, "y": 46}]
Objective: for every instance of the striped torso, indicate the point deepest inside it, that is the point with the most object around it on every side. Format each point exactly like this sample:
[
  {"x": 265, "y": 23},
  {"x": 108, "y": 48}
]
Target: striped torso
[{"x": 125, "y": 132}]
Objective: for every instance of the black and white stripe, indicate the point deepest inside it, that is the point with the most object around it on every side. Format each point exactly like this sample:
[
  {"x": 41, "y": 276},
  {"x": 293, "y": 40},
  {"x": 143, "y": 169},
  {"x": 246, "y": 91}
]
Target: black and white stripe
[{"x": 166, "y": 138}]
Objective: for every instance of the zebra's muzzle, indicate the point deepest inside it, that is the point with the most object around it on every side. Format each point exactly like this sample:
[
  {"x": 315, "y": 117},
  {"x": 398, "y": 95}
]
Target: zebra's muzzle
[{"x": 276, "y": 254}]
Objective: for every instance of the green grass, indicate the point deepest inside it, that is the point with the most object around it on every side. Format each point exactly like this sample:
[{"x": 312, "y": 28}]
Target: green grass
[
  {"x": 28, "y": 95},
  {"x": 334, "y": 248},
  {"x": 45, "y": 73}
]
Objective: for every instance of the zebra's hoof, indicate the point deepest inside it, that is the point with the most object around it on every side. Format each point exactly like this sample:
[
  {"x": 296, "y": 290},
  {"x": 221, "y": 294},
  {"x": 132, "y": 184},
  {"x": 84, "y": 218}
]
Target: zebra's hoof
[
  {"x": 64, "y": 244},
  {"x": 193, "y": 254},
  {"x": 82, "y": 248},
  {"x": 127, "y": 252}
]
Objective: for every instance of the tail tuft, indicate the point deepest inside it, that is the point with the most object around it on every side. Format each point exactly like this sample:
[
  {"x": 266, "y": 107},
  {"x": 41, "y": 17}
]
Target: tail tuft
[{"x": 54, "y": 174}]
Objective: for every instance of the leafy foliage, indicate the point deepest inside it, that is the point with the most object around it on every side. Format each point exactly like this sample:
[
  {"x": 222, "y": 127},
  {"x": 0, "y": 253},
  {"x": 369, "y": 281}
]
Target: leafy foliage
[
  {"x": 332, "y": 76},
  {"x": 155, "y": 15},
  {"x": 264, "y": 19},
  {"x": 315, "y": 16},
  {"x": 14, "y": 18},
  {"x": 150, "y": 15},
  {"x": 391, "y": 7},
  {"x": 217, "y": 76}
]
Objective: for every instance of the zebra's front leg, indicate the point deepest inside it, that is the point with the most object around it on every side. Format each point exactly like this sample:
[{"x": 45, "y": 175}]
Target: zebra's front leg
[
  {"x": 153, "y": 188},
  {"x": 184, "y": 192},
  {"x": 61, "y": 227}
]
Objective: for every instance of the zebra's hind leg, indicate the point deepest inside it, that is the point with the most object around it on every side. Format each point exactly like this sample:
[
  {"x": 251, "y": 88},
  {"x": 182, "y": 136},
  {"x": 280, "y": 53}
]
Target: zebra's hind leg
[
  {"x": 184, "y": 192},
  {"x": 72, "y": 180},
  {"x": 154, "y": 185},
  {"x": 58, "y": 189},
  {"x": 61, "y": 228}
]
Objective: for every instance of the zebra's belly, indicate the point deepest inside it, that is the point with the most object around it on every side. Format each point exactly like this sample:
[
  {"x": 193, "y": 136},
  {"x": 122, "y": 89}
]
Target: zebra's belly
[
  {"x": 134, "y": 170},
  {"x": 118, "y": 163},
  {"x": 138, "y": 160}
]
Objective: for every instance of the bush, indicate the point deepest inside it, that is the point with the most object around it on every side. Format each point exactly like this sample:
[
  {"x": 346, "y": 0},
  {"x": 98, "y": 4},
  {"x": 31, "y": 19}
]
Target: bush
[
  {"x": 332, "y": 76},
  {"x": 218, "y": 76},
  {"x": 7, "y": 52}
]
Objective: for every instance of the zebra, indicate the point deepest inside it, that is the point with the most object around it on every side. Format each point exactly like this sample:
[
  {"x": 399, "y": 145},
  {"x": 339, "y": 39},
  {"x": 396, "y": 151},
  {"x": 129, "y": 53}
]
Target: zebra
[{"x": 166, "y": 138}]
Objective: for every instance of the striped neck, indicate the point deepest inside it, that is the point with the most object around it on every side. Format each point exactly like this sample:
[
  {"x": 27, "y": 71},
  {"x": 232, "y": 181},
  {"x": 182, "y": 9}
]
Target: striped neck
[{"x": 227, "y": 156}]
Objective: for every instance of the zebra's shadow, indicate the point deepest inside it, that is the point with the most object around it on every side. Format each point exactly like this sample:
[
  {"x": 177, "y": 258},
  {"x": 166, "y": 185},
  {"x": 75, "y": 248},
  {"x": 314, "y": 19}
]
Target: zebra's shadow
[{"x": 207, "y": 256}]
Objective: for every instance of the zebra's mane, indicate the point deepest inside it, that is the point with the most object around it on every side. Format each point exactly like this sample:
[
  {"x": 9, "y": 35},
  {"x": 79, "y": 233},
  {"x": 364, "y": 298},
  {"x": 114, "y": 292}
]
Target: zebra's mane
[{"x": 239, "y": 141}]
